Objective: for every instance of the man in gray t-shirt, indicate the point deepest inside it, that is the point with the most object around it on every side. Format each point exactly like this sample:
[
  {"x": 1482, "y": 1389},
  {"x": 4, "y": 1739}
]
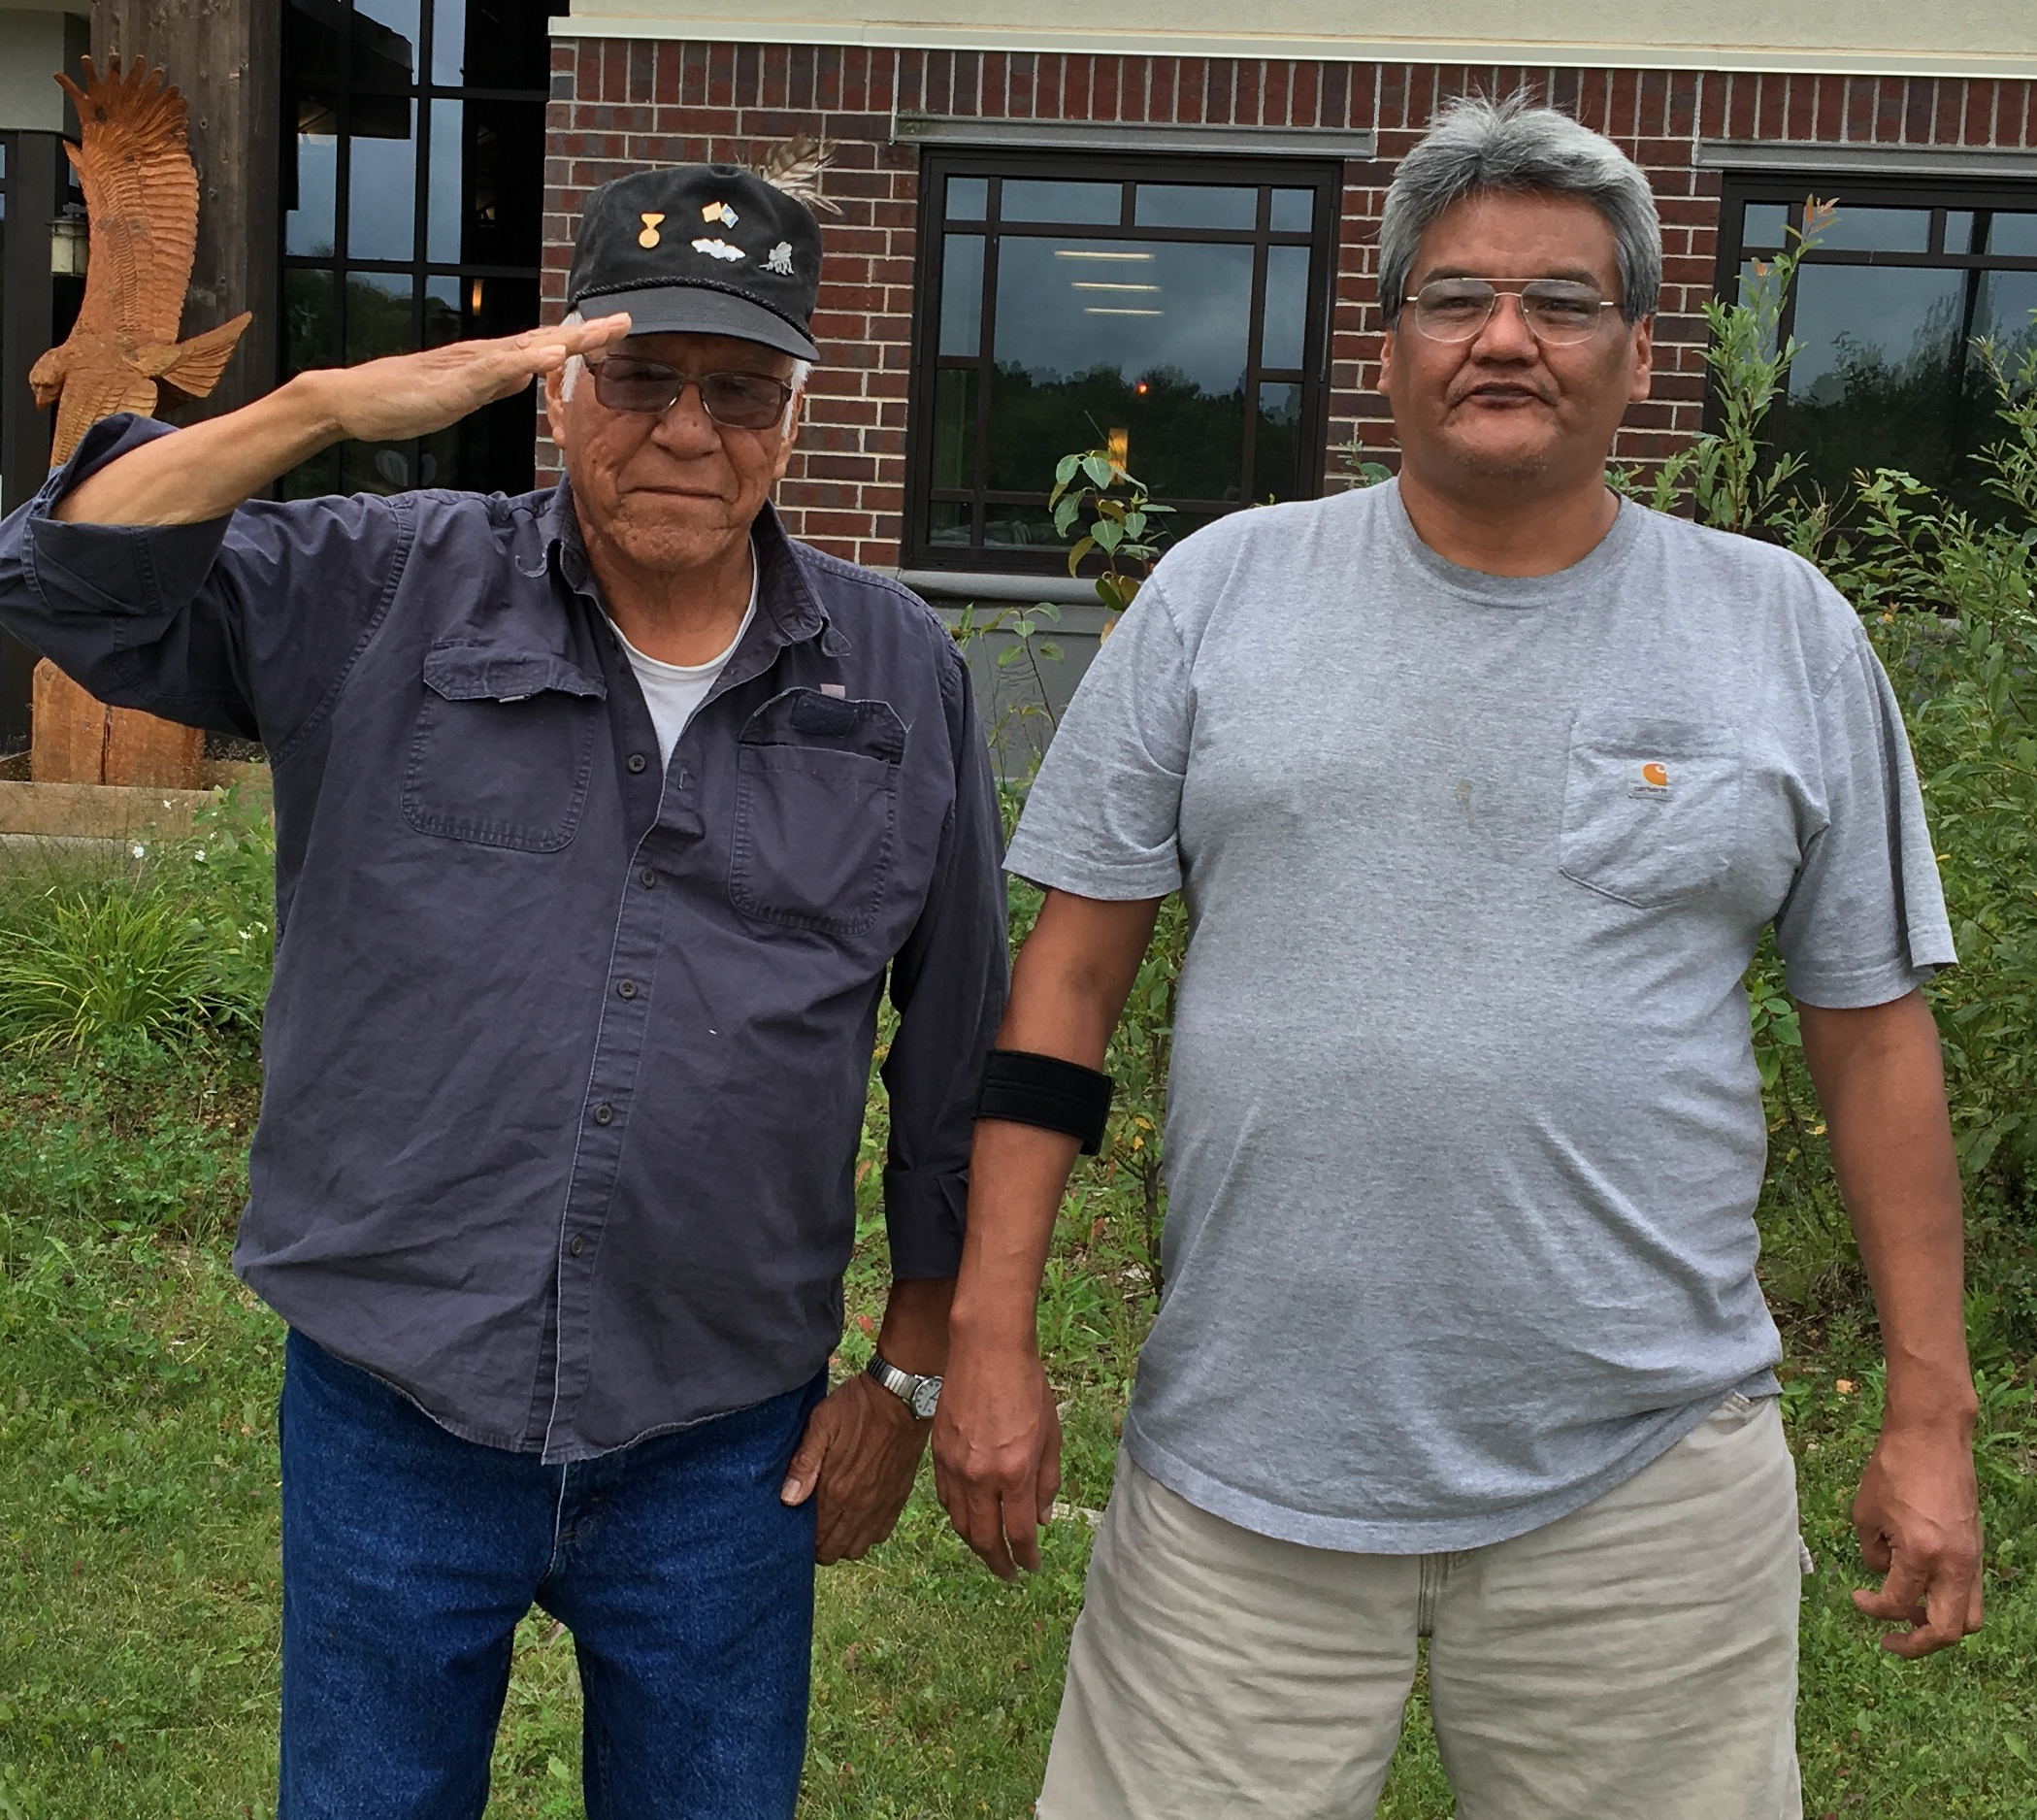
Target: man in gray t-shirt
[{"x": 1481, "y": 787}]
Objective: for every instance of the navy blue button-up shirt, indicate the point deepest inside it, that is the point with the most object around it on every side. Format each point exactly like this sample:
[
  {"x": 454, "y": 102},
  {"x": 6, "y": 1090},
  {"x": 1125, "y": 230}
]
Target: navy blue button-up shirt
[{"x": 566, "y": 1055}]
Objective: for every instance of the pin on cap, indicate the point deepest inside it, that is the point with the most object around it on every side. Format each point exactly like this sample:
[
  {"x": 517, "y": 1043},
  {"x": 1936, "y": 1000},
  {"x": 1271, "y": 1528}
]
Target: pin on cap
[{"x": 752, "y": 275}]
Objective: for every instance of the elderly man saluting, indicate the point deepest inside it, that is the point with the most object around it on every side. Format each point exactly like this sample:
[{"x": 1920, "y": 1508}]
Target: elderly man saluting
[
  {"x": 1482, "y": 786},
  {"x": 601, "y": 815}
]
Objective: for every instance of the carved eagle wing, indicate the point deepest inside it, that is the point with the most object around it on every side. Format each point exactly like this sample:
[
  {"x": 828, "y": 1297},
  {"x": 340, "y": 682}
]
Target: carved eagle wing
[{"x": 142, "y": 196}]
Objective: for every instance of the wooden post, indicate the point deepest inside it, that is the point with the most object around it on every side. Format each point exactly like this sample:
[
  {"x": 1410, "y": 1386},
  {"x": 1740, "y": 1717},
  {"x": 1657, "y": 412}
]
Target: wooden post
[{"x": 226, "y": 55}]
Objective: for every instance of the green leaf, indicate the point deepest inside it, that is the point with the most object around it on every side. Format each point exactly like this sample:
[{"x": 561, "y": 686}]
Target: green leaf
[
  {"x": 1097, "y": 466},
  {"x": 1108, "y": 537},
  {"x": 1080, "y": 551},
  {"x": 1064, "y": 470}
]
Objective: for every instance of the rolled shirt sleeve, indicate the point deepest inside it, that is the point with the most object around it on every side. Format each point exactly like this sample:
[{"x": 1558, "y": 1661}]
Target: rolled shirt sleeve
[
  {"x": 947, "y": 983},
  {"x": 1103, "y": 818},
  {"x": 243, "y": 625},
  {"x": 1864, "y": 921}
]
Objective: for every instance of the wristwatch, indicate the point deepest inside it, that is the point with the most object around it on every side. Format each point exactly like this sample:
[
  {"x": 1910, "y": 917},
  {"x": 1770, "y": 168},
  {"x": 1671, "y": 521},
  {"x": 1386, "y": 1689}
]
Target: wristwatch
[{"x": 918, "y": 1394}]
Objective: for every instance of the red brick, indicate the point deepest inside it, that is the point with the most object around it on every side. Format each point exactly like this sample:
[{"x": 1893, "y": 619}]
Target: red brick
[
  {"x": 1077, "y": 88},
  {"x": 1050, "y": 67},
  {"x": 1276, "y": 94},
  {"x": 1979, "y": 127},
  {"x": 1800, "y": 107},
  {"x": 1396, "y": 82},
  {"x": 665, "y": 80},
  {"x": 1952, "y": 106},
  {"x": 1888, "y": 109},
  {"x": 1859, "y": 108},
  {"x": 1305, "y": 95},
  {"x": 1680, "y": 113},
  {"x": 1919, "y": 97}
]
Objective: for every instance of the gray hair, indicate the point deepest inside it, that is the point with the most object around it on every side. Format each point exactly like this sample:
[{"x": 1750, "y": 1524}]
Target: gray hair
[
  {"x": 569, "y": 376},
  {"x": 1474, "y": 144}
]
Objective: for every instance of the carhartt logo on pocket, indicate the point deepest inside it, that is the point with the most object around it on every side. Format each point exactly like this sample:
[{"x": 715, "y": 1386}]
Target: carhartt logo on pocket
[{"x": 1654, "y": 779}]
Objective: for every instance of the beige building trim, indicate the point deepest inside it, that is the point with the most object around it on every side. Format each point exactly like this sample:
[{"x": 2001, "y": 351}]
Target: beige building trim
[{"x": 1960, "y": 38}]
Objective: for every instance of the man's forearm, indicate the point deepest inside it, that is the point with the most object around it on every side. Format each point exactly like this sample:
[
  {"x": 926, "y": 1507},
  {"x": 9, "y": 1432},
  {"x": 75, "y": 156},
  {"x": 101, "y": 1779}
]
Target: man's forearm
[
  {"x": 914, "y": 1334},
  {"x": 1881, "y": 1085},
  {"x": 207, "y": 470},
  {"x": 1073, "y": 978}
]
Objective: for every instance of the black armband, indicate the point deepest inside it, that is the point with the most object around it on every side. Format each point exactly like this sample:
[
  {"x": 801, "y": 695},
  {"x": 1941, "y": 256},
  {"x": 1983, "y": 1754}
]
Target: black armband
[{"x": 1045, "y": 1091}]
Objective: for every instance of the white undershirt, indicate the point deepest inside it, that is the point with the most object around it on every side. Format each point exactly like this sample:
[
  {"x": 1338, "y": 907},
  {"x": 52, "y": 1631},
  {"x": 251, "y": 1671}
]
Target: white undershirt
[{"x": 673, "y": 692}]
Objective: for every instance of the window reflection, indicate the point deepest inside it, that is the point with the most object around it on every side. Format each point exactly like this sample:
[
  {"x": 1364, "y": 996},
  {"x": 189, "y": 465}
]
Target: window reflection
[
  {"x": 2012, "y": 236},
  {"x": 1150, "y": 336},
  {"x": 1029, "y": 199},
  {"x": 382, "y": 194},
  {"x": 1878, "y": 230},
  {"x": 311, "y": 209},
  {"x": 1287, "y": 306},
  {"x": 961, "y": 293},
  {"x": 1137, "y": 338},
  {"x": 1294, "y": 210},
  {"x": 1276, "y": 442},
  {"x": 382, "y": 172},
  {"x": 1191, "y": 205},
  {"x": 1764, "y": 224}
]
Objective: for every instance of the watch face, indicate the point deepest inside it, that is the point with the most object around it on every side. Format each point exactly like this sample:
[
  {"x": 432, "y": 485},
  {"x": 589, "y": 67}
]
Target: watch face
[{"x": 926, "y": 1396}]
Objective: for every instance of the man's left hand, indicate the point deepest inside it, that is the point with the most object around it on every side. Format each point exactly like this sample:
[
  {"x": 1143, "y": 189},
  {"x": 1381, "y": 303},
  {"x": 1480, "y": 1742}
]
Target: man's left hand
[
  {"x": 858, "y": 1457},
  {"x": 1918, "y": 1517}
]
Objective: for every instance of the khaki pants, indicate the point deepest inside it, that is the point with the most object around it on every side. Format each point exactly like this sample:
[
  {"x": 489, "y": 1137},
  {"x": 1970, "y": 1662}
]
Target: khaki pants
[{"x": 1633, "y": 1661}]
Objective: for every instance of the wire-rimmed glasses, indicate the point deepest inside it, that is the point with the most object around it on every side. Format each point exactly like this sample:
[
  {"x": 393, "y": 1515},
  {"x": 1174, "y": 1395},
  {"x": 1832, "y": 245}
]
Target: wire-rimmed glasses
[{"x": 1559, "y": 313}]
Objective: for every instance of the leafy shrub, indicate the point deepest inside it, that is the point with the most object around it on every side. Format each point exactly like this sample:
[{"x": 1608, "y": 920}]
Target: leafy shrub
[
  {"x": 98, "y": 962},
  {"x": 171, "y": 943}
]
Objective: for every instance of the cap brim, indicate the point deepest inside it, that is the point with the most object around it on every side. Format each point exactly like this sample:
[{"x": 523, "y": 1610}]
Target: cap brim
[{"x": 694, "y": 310}]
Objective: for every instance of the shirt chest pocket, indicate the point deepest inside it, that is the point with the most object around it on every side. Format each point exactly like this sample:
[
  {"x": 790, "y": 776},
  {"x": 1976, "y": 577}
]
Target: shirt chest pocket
[
  {"x": 1652, "y": 809},
  {"x": 504, "y": 747},
  {"x": 816, "y": 811}
]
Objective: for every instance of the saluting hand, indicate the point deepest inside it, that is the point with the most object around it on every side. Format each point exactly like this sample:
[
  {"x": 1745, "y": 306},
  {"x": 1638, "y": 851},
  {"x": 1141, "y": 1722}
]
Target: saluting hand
[{"x": 406, "y": 395}]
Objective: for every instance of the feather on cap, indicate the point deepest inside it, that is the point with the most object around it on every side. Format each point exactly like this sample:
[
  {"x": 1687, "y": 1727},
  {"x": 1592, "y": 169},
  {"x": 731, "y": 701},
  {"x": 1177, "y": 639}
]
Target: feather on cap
[{"x": 795, "y": 166}]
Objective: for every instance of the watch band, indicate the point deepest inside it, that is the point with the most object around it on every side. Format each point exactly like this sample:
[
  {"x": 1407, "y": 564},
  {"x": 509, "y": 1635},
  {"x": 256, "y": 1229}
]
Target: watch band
[{"x": 919, "y": 1393}]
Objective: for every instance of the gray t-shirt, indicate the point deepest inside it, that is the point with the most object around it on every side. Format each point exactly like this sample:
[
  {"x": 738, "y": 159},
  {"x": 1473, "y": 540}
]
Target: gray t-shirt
[{"x": 1465, "y": 1131}]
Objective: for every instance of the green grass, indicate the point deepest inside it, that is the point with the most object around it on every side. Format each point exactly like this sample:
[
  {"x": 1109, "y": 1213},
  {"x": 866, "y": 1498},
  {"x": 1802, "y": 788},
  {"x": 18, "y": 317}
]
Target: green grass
[{"x": 137, "y": 1520}]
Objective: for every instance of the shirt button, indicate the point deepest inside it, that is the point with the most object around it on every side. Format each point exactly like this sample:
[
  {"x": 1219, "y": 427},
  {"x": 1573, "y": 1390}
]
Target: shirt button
[
  {"x": 605, "y": 1113},
  {"x": 647, "y": 878},
  {"x": 636, "y": 761},
  {"x": 578, "y": 1245},
  {"x": 626, "y": 989}
]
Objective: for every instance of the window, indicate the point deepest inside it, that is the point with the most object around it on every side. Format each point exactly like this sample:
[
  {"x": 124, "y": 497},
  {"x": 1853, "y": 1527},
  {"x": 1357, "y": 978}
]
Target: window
[
  {"x": 1173, "y": 311},
  {"x": 1887, "y": 309},
  {"x": 411, "y": 195}
]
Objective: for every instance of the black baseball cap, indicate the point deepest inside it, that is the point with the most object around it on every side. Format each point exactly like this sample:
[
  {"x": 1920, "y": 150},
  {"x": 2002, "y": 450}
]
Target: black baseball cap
[{"x": 700, "y": 250}]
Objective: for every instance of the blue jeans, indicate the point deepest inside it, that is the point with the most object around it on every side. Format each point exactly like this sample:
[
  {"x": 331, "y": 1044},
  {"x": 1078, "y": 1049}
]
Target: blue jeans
[{"x": 410, "y": 1555}]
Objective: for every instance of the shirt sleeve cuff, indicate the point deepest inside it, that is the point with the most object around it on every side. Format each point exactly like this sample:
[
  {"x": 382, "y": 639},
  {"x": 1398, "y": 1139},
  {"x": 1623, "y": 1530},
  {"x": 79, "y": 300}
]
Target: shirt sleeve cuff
[
  {"x": 140, "y": 569},
  {"x": 923, "y": 1218},
  {"x": 1860, "y": 989}
]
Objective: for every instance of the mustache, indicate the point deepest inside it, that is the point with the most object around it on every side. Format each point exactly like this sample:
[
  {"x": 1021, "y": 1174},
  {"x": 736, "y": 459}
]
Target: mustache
[{"x": 1466, "y": 385}]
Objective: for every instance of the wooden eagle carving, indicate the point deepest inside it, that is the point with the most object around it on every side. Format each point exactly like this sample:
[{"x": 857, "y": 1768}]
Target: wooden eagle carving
[{"x": 141, "y": 198}]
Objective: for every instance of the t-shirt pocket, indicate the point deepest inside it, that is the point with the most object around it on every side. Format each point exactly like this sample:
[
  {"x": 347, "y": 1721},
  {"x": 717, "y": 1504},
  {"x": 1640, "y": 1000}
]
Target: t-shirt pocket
[
  {"x": 1651, "y": 807},
  {"x": 816, "y": 811},
  {"x": 504, "y": 747}
]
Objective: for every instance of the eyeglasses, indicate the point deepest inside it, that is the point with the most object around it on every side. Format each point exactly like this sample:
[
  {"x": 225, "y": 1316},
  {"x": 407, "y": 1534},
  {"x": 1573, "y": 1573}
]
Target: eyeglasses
[
  {"x": 742, "y": 400},
  {"x": 1559, "y": 314}
]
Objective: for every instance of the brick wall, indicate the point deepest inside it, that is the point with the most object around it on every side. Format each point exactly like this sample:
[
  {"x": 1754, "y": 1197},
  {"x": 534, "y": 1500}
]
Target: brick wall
[{"x": 621, "y": 103}]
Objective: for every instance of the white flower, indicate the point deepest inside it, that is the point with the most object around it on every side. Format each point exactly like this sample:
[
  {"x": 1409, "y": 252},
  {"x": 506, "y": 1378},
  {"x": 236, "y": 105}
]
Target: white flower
[
  {"x": 201, "y": 854},
  {"x": 140, "y": 851}
]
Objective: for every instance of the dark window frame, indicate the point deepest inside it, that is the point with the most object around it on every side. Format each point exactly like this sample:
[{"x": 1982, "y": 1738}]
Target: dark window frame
[
  {"x": 418, "y": 94},
  {"x": 1325, "y": 176},
  {"x": 1942, "y": 196}
]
